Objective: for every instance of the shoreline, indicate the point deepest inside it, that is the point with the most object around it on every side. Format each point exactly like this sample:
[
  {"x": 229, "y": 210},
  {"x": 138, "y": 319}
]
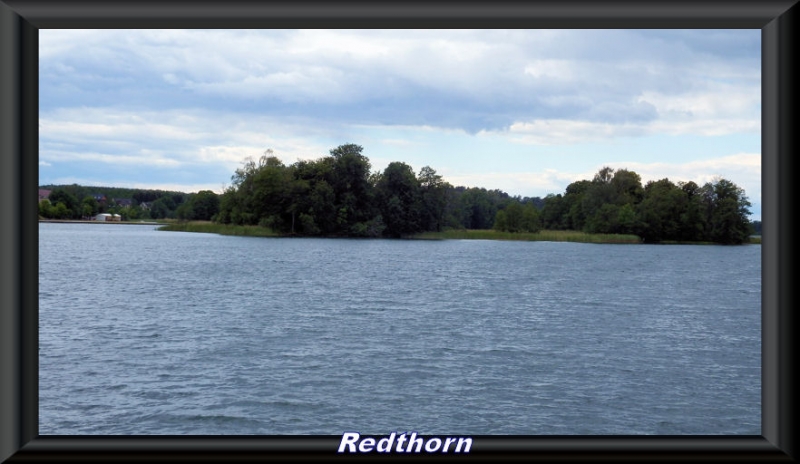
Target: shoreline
[
  {"x": 543, "y": 236},
  {"x": 72, "y": 221}
]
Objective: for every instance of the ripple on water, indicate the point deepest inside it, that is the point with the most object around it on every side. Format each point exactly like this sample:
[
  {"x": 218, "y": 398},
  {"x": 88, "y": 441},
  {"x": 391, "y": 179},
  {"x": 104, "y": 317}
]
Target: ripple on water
[{"x": 320, "y": 336}]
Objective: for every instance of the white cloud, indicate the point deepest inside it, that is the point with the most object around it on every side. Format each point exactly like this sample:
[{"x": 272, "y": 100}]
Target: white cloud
[
  {"x": 171, "y": 139},
  {"x": 547, "y": 74},
  {"x": 531, "y": 183},
  {"x": 215, "y": 97},
  {"x": 141, "y": 158},
  {"x": 744, "y": 169},
  {"x": 569, "y": 131}
]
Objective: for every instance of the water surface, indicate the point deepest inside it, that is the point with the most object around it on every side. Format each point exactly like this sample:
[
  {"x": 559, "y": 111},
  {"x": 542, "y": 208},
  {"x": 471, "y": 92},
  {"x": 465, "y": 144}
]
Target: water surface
[{"x": 148, "y": 332}]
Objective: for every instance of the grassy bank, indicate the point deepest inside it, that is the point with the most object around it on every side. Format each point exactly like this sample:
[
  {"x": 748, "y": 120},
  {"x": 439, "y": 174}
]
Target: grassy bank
[
  {"x": 222, "y": 229},
  {"x": 545, "y": 235}
]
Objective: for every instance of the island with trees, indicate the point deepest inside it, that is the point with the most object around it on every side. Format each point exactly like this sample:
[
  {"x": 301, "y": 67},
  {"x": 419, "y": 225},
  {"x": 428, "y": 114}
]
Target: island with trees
[{"x": 340, "y": 196}]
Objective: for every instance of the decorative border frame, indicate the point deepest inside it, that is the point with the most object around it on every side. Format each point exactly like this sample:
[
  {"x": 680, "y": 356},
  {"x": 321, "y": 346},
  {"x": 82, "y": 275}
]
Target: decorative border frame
[{"x": 20, "y": 21}]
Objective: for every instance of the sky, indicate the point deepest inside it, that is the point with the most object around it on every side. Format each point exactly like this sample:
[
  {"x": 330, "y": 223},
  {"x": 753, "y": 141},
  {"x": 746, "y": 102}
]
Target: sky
[{"x": 524, "y": 111}]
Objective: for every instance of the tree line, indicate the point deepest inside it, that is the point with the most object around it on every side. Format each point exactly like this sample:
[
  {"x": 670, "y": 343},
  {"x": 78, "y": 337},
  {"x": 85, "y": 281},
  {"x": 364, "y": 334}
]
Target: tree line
[
  {"x": 339, "y": 195},
  {"x": 617, "y": 203},
  {"x": 81, "y": 202}
]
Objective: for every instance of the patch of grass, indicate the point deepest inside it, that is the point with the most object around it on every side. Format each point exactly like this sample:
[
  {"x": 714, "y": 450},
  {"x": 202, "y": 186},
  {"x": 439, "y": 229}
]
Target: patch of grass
[
  {"x": 544, "y": 235},
  {"x": 222, "y": 229},
  {"x": 756, "y": 239}
]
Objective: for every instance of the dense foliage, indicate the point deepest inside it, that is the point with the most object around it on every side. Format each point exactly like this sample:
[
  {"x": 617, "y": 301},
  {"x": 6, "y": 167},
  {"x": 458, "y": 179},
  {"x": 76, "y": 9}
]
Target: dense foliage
[
  {"x": 82, "y": 202},
  {"x": 616, "y": 202},
  {"x": 339, "y": 195}
]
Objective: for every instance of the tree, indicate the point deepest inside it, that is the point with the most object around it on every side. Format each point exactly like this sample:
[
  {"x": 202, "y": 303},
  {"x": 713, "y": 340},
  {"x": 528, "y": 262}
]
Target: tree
[
  {"x": 555, "y": 212},
  {"x": 500, "y": 221},
  {"x": 513, "y": 217},
  {"x": 477, "y": 208},
  {"x": 400, "y": 200},
  {"x": 350, "y": 180},
  {"x": 628, "y": 187},
  {"x": 530, "y": 218},
  {"x": 204, "y": 205},
  {"x": 434, "y": 198},
  {"x": 160, "y": 208},
  {"x": 605, "y": 220},
  {"x": 71, "y": 209},
  {"x": 185, "y": 212},
  {"x": 517, "y": 217},
  {"x": 729, "y": 223},
  {"x": 693, "y": 220},
  {"x": 89, "y": 206},
  {"x": 659, "y": 213},
  {"x": 46, "y": 209},
  {"x": 573, "y": 199}
]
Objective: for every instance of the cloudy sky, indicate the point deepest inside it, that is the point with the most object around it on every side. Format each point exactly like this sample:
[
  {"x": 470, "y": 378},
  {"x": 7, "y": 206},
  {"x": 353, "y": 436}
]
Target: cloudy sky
[{"x": 524, "y": 111}]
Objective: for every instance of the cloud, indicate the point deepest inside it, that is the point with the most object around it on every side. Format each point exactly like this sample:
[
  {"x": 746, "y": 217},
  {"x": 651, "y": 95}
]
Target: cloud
[
  {"x": 531, "y": 183},
  {"x": 195, "y": 103},
  {"x": 462, "y": 79},
  {"x": 744, "y": 169},
  {"x": 197, "y": 143},
  {"x": 569, "y": 132}
]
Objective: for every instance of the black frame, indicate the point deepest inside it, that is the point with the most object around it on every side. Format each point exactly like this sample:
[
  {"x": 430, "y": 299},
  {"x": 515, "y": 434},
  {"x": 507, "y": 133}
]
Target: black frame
[{"x": 19, "y": 24}]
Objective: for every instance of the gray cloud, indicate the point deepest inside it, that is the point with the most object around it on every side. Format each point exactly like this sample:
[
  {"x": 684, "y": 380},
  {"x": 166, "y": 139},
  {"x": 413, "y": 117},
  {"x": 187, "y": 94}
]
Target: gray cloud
[{"x": 470, "y": 80}]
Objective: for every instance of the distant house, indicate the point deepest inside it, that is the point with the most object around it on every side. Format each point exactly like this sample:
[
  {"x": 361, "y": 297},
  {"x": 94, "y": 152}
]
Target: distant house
[
  {"x": 123, "y": 201},
  {"x": 99, "y": 197},
  {"x": 106, "y": 217},
  {"x": 144, "y": 205},
  {"x": 43, "y": 194}
]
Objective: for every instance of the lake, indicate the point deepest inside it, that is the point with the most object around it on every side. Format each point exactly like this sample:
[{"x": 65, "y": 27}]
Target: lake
[{"x": 145, "y": 332}]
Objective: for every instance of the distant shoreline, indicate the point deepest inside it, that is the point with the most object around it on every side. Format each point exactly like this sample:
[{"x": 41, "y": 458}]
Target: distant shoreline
[{"x": 71, "y": 221}]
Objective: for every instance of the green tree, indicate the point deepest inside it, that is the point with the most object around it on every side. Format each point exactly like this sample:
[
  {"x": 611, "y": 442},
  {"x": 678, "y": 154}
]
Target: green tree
[
  {"x": 628, "y": 187},
  {"x": 204, "y": 205},
  {"x": 46, "y": 209},
  {"x": 626, "y": 220},
  {"x": 693, "y": 219},
  {"x": 89, "y": 206},
  {"x": 477, "y": 209},
  {"x": 162, "y": 208},
  {"x": 72, "y": 208},
  {"x": 350, "y": 180},
  {"x": 434, "y": 198},
  {"x": 573, "y": 203},
  {"x": 555, "y": 212},
  {"x": 729, "y": 222},
  {"x": 605, "y": 220},
  {"x": 531, "y": 221},
  {"x": 400, "y": 200},
  {"x": 184, "y": 212},
  {"x": 659, "y": 213},
  {"x": 500, "y": 221}
]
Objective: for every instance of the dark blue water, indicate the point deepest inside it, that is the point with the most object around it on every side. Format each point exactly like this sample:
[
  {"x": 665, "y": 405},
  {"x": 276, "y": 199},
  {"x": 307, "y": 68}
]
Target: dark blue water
[{"x": 149, "y": 332}]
